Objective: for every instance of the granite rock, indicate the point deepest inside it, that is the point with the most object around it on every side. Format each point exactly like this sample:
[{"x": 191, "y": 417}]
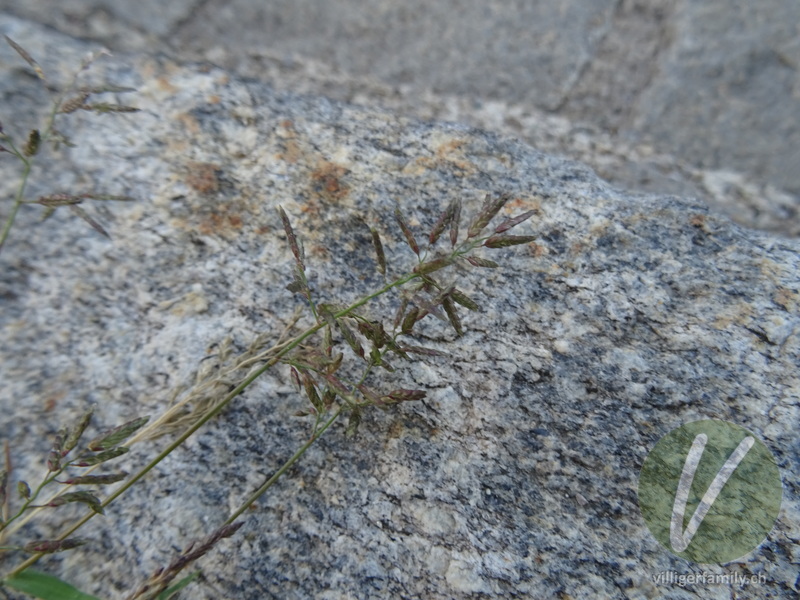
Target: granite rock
[
  {"x": 659, "y": 96},
  {"x": 516, "y": 476}
]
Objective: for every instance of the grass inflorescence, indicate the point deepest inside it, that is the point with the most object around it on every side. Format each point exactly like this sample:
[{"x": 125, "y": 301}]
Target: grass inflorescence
[
  {"x": 28, "y": 147},
  {"x": 335, "y": 360}
]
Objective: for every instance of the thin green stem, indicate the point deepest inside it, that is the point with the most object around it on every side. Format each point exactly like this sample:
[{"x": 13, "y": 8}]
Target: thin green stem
[
  {"x": 213, "y": 413},
  {"x": 29, "y": 501},
  {"x": 18, "y": 201},
  {"x": 28, "y": 161},
  {"x": 271, "y": 481}
]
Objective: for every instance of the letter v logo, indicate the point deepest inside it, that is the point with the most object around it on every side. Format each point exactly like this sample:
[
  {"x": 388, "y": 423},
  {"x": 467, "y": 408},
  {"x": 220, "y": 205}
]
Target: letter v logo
[
  {"x": 681, "y": 540},
  {"x": 721, "y": 475}
]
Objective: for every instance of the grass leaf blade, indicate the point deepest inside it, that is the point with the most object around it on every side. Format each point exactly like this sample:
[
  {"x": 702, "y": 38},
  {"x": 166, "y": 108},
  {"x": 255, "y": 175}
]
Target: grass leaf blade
[{"x": 46, "y": 587}]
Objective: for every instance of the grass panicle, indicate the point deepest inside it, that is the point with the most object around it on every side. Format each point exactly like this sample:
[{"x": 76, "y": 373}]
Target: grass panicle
[
  {"x": 333, "y": 360},
  {"x": 29, "y": 148},
  {"x": 160, "y": 581}
]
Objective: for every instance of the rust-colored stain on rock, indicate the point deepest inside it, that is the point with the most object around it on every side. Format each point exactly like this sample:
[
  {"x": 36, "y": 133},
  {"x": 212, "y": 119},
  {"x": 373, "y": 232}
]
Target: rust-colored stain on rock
[
  {"x": 326, "y": 181},
  {"x": 221, "y": 222},
  {"x": 786, "y": 299},
  {"x": 448, "y": 154},
  {"x": 202, "y": 177},
  {"x": 292, "y": 151}
]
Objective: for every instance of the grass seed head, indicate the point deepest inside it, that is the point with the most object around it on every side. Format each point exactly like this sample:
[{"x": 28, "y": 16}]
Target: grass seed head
[
  {"x": 114, "y": 437},
  {"x": 33, "y": 144},
  {"x": 376, "y": 242},
  {"x": 407, "y": 233},
  {"x": 26, "y": 57},
  {"x": 503, "y": 241},
  {"x": 51, "y": 546},
  {"x": 489, "y": 209},
  {"x": 514, "y": 221},
  {"x": 476, "y": 261},
  {"x": 452, "y": 315},
  {"x": 24, "y": 489},
  {"x": 455, "y": 222}
]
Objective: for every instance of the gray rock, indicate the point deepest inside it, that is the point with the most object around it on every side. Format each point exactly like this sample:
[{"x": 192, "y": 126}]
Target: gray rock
[
  {"x": 693, "y": 99},
  {"x": 516, "y": 476},
  {"x": 730, "y": 75}
]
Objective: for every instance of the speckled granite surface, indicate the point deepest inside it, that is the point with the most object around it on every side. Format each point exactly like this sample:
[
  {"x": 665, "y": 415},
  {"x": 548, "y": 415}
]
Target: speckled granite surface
[
  {"x": 657, "y": 96},
  {"x": 516, "y": 476}
]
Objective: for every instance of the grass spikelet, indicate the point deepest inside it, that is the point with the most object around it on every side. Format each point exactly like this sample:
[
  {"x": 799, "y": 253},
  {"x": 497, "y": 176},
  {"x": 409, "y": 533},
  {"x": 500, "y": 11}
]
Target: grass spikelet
[
  {"x": 92, "y": 223},
  {"x": 476, "y": 261},
  {"x": 33, "y": 144},
  {"x": 463, "y": 299},
  {"x": 54, "y": 200},
  {"x": 369, "y": 394},
  {"x": 452, "y": 315},
  {"x": 74, "y": 103},
  {"x": 114, "y": 437},
  {"x": 409, "y": 320},
  {"x": 86, "y": 498},
  {"x": 350, "y": 338},
  {"x": 3, "y": 495},
  {"x": 101, "y": 457},
  {"x": 374, "y": 332},
  {"x": 503, "y": 241},
  {"x": 442, "y": 222},
  {"x": 412, "y": 242},
  {"x": 401, "y": 310},
  {"x": 404, "y": 395},
  {"x": 96, "y": 479},
  {"x": 433, "y": 265},
  {"x": 455, "y": 222},
  {"x": 353, "y": 422},
  {"x": 52, "y": 546},
  {"x": 376, "y": 241},
  {"x": 295, "y": 247},
  {"x": 106, "y": 107},
  {"x": 56, "y": 452},
  {"x": 312, "y": 394},
  {"x": 77, "y": 431},
  {"x": 489, "y": 209},
  {"x": 428, "y": 307},
  {"x": 24, "y": 489},
  {"x": 514, "y": 221},
  {"x": 27, "y": 58}
]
